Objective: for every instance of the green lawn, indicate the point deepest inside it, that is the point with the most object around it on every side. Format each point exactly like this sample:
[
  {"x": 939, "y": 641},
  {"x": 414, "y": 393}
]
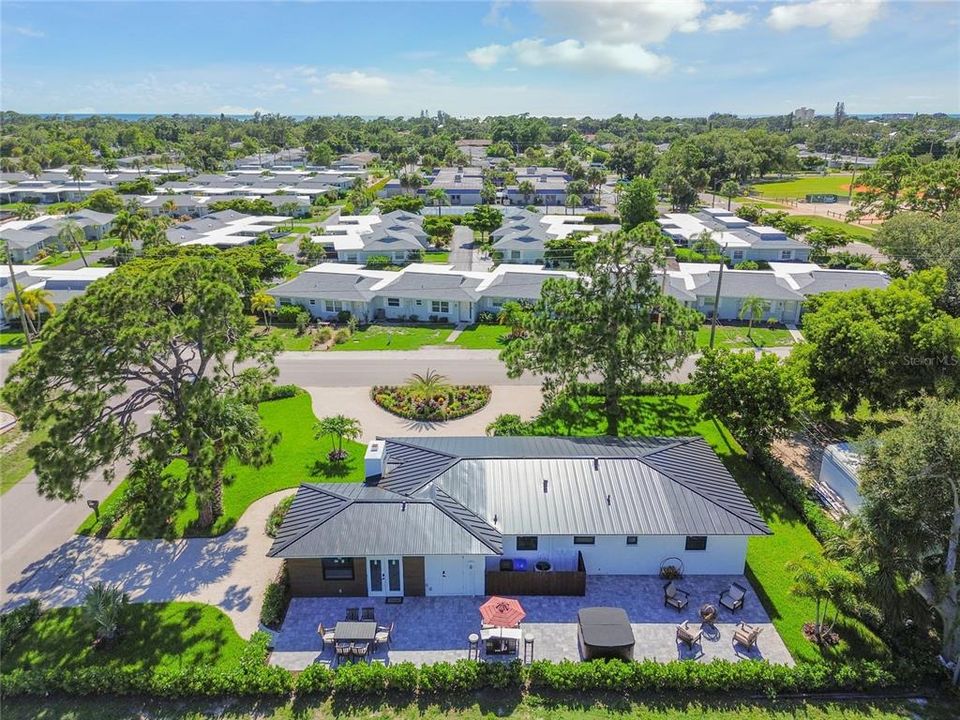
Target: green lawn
[
  {"x": 766, "y": 555},
  {"x": 736, "y": 337},
  {"x": 760, "y": 203},
  {"x": 170, "y": 635},
  {"x": 860, "y": 232},
  {"x": 440, "y": 258},
  {"x": 797, "y": 189},
  {"x": 12, "y": 339},
  {"x": 483, "y": 337},
  {"x": 479, "y": 706},
  {"x": 14, "y": 462},
  {"x": 297, "y": 458},
  {"x": 396, "y": 337},
  {"x": 59, "y": 258},
  {"x": 289, "y": 339}
]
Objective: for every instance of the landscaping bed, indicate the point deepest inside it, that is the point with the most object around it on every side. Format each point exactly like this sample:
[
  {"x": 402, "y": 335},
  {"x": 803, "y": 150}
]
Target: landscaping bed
[{"x": 455, "y": 401}]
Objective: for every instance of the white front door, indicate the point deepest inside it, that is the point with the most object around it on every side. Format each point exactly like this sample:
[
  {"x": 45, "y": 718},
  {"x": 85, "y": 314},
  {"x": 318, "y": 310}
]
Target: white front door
[{"x": 384, "y": 576}]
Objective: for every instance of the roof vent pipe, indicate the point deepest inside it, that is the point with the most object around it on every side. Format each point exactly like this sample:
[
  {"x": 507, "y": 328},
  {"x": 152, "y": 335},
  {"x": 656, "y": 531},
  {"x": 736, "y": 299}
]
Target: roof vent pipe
[
  {"x": 403, "y": 506},
  {"x": 545, "y": 484},
  {"x": 608, "y": 499},
  {"x": 596, "y": 463}
]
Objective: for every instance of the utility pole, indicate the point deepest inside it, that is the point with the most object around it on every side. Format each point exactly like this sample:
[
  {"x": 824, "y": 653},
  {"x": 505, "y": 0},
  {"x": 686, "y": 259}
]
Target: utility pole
[
  {"x": 716, "y": 301},
  {"x": 16, "y": 294},
  {"x": 663, "y": 288}
]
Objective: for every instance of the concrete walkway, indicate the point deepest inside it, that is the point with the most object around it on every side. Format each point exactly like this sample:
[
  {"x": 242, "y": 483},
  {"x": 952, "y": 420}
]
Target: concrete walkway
[
  {"x": 795, "y": 333},
  {"x": 230, "y": 571},
  {"x": 456, "y": 332},
  {"x": 523, "y": 400}
]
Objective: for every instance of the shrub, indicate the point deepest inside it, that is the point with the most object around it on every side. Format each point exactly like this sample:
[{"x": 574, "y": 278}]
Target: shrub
[
  {"x": 279, "y": 392},
  {"x": 343, "y": 317},
  {"x": 324, "y": 335},
  {"x": 341, "y": 336},
  {"x": 747, "y": 265},
  {"x": 14, "y": 624},
  {"x": 276, "y": 516},
  {"x": 375, "y": 262},
  {"x": 316, "y": 679},
  {"x": 487, "y": 318},
  {"x": 288, "y": 314},
  {"x": 276, "y": 599},
  {"x": 303, "y": 320},
  {"x": 798, "y": 496},
  {"x": 508, "y": 424},
  {"x": 600, "y": 219}
]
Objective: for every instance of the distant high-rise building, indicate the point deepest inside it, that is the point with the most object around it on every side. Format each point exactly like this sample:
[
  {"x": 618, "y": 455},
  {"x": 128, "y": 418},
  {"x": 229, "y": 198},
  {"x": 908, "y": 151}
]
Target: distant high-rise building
[{"x": 804, "y": 114}]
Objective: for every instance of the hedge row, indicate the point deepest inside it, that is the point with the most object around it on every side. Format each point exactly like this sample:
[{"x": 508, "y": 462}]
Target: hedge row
[
  {"x": 798, "y": 496},
  {"x": 14, "y": 624},
  {"x": 254, "y": 677}
]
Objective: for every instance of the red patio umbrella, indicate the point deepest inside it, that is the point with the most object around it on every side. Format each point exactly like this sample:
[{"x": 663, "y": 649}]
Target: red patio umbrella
[{"x": 502, "y": 612}]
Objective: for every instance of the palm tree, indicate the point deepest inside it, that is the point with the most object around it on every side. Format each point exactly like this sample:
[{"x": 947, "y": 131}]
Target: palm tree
[
  {"x": 597, "y": 177},
  {"x": 430, "y": 383},
  {"x": 127, "y": 226},
  {"x": 513, "y": 314},
  {"x": 24, "y": 211},
  {"x": 572, "y": 201},
  {"x": 752, "y": 307},
  {"x": 823, "y": 581},
  {"x": 169, "y": 206},
  {"x": 339, "y": 427},
  {"x": 264, "y": 304},
  {"x": 153, "y": 234},
  {"x": 439, "y": 198},
  {"x": 76, "y": 173},
  {"x": 137, "y": 164},
  {"x": 17, "y": 303},
  {"x": 30, "y": 304},
  {"x": 70, "y": 233},
  {"x": 730, "y": 189},
  {"x": 526, "y": 190},
  {"x": 108, "y": 164},
  {"x": 103, "y": 609}
]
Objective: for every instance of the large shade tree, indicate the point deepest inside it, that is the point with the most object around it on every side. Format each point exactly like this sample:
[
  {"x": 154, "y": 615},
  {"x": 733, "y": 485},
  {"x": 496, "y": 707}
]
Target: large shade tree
[
  {"x": 606, "y": 323},
  {"x": 169, "y": 335}
]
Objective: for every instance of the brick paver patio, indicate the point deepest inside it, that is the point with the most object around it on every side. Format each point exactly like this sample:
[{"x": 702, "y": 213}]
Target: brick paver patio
[{"x": 430, "y": 629}]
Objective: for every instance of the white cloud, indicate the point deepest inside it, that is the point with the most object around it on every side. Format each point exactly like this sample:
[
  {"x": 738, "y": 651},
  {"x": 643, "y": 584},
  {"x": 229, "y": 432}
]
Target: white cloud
[
  {"x": 488, "y": 55},
  {"x": 844, "y": 18},
  {"x": 29, "y": 32},
  {"x": 356, "y": 81},
  {"x": 727, "y": 20},
  {"x": 535, "y": 52},
  {"x": 497, "y": 16},
  {"x": 614, "y": 21}
]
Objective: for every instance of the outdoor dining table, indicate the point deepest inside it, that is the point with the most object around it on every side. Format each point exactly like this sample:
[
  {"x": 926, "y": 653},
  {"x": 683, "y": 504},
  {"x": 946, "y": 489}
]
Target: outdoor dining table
[{"x": 350, "y": 631}]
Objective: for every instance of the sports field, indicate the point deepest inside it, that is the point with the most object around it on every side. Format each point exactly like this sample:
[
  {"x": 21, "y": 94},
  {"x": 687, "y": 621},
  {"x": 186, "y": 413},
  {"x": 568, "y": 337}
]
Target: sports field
[{"x": 798, "y": 189}]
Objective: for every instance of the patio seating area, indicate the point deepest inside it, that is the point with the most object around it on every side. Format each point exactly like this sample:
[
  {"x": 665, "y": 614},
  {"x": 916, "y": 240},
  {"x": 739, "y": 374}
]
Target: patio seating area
[{"x": 431, "y": 629}]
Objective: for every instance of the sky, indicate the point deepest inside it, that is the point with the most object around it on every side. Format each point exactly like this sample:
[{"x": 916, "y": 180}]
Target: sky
[{"x": 574, "y": 58}]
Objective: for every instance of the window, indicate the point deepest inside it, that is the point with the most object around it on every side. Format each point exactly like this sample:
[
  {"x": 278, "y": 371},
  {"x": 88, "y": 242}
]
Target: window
[
  {"x": 393, "y": 302},
  {"x": 440, "y": 306},
  {"x": 312, "y": 301},
  {"x": 786, "y": 254},
  {"x": 419, "y": 302},
  {"x": 583, "y": 539},
  {"x": 708, "y": 301},
  {"x": 631, "y": 539},
  {"x": 333, "y": 306},
  {"x": 527, "y": 542},
  {"x": 738, "y": 254},
  {"x": 337, "y": 568},
  {"x": 696, "y": 542}
]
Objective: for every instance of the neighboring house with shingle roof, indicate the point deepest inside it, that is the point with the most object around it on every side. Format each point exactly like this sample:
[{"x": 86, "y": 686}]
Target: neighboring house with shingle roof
[{"x": 438, "y": 516}]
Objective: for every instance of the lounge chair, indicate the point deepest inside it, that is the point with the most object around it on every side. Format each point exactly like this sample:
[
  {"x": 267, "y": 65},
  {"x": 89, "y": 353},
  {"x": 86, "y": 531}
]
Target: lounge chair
[
  {"x": 687, "y": 635},
  {"x": 353, "y": 615},
  {"x": 383, "y": 636},
  {"x": 325, "y": 636},
  {"x": 366, "y": 614},
  {"x": 746, "y": 635},
  {"x": 674, "y": 596},
  {"x": 732, "y": 597}
]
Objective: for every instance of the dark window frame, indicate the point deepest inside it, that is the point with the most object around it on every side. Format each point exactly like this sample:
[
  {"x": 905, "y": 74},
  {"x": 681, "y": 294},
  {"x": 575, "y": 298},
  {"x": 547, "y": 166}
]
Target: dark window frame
[
  {"x": 337, "y": 569},
  {"x": 526, "y": 539},
  {"x": 584, "y": 540},
  {"x": 695, "y": 543},
  {"x": 632, "y": 540}
]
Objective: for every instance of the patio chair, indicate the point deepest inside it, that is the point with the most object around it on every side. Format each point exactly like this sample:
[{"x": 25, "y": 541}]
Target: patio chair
[
  {"x": 732, "y": 597},
  {"x": 366, "y": 614},
  {"x": 360, "y": 650},
  {"x": 353, "y": 615},
  {"x": 675, "y": 597},
  {"x": 343, "y": 651},
  {"x": 687, "y": 635},
  {"x": 326, "y": 636},
  {"x": 746, "y": 635},
  {"x": 383, "y": 636}
]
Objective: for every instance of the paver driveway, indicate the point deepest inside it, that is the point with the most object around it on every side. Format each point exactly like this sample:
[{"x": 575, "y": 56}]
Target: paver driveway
[{"x": 230, "y": 571}]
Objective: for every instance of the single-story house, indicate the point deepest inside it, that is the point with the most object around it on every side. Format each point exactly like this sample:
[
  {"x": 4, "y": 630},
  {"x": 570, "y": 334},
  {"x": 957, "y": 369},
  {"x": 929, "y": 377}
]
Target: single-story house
[
  {"x": 62, "y": 285},
  {"x": 26, "y": 238},
  {"x": 737, "y": 238},
  {"x": 399, "y": 236},
  {"x": 474, "y": 515}
]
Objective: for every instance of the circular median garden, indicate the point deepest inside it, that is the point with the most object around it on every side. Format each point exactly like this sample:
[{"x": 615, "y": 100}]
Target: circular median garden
[{"x": 430, "y": 397}]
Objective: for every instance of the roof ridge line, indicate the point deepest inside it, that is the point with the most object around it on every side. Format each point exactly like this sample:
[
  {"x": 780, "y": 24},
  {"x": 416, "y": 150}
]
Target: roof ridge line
[
  {"x": 462, "y": 525},
  {"x": 346, "y": 503},
  {"x": 709, "y": 499}
]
